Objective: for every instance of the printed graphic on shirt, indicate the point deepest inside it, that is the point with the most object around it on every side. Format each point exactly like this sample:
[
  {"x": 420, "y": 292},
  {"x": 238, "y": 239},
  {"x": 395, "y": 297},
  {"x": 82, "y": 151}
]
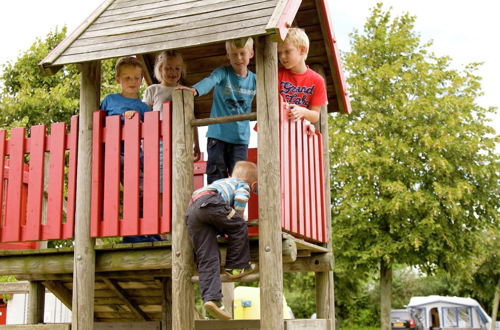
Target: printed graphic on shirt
[{"x": 300, "y": 95}]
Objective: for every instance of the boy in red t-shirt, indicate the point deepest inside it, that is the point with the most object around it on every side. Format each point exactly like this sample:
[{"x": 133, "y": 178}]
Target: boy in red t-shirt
[{"x": 301, "y": 88}]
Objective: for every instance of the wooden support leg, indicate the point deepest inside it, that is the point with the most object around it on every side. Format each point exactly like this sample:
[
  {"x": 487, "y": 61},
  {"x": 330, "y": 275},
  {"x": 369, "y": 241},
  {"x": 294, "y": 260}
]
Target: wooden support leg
[
  {"x": 84, "y": 253},
  {"x": 36, "y": 302},
  {"x": 270, "y": 254},
  {"x": 182, "y": 185}
]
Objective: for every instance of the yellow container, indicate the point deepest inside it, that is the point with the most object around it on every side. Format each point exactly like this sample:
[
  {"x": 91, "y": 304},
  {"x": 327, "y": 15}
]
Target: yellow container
[{"x": 246, "y": 304}]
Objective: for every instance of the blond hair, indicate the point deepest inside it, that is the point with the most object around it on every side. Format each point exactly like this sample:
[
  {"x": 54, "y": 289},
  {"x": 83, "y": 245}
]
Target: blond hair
[
  {"x": 298, "y": 38},
  {"x": 162, "y": 59},
  {"x": 239, "y": 43},
  {"x": 127, "y": 61},
  {"x": 246, "y": 171}
]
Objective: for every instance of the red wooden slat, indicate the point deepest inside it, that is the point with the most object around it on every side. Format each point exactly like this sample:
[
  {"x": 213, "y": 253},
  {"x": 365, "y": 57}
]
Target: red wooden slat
[
  {"x": 200, "y": 168},
  {"x": 151, "y": 129},
  {"x": 52, "y": 229},
  {"x": 166, "y": 222},
  {"x": 306, "y": 192},
  {"x": 285, "y": 168},
  {"x": 12, "y": 225},
  {"x": 300, "y": 179},
  {"x": 131, "y": 135},
  {"x": 2, "y": 180},
  {"x": 314, "y": 188},
  {"x": 32, "y": 230},
  {"x": 111, "y": 206},
  {"x": 253, "y": 202},
  {"x": 293, "y": 192},
  {"x": 68, "y": 227},
  {"x": 97, "y": 198},
  {"x": 322, "y": 226}
]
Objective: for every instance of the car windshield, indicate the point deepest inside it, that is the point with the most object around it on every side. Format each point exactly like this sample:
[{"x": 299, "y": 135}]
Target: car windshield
[{"x": 400, "y": 314}]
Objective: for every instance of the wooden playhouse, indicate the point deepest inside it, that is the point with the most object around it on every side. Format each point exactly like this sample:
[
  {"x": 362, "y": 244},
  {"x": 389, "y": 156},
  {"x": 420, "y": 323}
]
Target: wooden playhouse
[{"x": 66, "y": 185}]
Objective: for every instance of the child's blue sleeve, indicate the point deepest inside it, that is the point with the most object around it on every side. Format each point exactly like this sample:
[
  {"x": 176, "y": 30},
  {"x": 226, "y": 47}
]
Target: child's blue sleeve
[{"x": 205, "y": 85}]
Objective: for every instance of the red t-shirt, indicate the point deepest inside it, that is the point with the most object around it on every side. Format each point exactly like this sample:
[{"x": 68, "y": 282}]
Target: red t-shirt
[{"x": 306, "y": 89}]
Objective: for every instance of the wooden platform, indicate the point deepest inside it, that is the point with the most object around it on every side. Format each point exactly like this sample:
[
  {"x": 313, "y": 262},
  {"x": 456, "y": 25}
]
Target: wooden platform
[{"x": 131, "y": 279}]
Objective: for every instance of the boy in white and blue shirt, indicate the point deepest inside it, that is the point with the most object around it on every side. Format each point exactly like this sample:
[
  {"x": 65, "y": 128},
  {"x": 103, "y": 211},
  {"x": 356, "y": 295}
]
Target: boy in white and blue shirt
[{"x": 234, "y": 90}]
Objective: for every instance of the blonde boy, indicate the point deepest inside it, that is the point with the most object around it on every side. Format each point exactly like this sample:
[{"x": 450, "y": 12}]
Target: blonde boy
[
  {"x": 216, "y": 210},
  {"x": 234, "y": 89},
  {"x": 301, "y": 88}
]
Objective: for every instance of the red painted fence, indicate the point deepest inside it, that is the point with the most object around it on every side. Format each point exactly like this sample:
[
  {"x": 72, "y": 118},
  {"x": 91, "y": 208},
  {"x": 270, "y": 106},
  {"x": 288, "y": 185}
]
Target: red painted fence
[
  {"x": 31, "y": 212},
  {"x": 37, "y": 190}
]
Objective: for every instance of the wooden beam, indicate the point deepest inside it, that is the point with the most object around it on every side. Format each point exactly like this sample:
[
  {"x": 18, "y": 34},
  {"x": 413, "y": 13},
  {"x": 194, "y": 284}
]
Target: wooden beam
[
  {"x": 317, "y": 324},
  {"x": 60, "y": 291},
  {"x": 36, "y": 303},
  {"x": 325, "y": 295},
  {"x": 50, "y": 326},
  {"x": 149, "y": 325},
  {"x": 113, "y": 285},
  {"x": 182, "y": 184},
  {"x": 224, "y": 119},
  {"x": 84, "y": 254},
  {"x": 14, "y": 287},
  {"x": 270, "y": 254},
  {"x": 228, "y": 325}
]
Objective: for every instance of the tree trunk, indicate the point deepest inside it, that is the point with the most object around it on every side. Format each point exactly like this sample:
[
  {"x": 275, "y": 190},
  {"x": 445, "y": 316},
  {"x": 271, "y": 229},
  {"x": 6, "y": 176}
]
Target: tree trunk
[
  {"x": 385, "y": 294},
  {"x": 495, "y": 306}
]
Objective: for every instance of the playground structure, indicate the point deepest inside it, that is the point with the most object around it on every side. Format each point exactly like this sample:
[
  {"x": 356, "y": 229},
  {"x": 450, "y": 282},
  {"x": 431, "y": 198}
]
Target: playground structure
[{"x": 66, "y": 185}]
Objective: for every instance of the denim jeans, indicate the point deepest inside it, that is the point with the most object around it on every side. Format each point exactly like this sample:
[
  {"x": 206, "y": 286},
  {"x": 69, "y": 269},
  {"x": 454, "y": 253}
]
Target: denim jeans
[{"x": 221, "y": 158}]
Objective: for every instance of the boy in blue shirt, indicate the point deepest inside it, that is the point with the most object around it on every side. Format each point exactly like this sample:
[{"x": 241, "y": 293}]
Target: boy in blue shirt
[
  {"x": 234, "y": 89},
  {"x": 126, "y": 104}
]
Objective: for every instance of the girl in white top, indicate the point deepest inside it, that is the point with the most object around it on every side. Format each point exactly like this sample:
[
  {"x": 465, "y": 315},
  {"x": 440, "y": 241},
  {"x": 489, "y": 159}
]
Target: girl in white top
[{"x": 169, "y": 70}]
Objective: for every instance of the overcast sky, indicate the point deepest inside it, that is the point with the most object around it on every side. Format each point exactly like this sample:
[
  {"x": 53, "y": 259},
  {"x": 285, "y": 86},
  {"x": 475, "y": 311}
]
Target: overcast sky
[{"x": 464, "y": 30}]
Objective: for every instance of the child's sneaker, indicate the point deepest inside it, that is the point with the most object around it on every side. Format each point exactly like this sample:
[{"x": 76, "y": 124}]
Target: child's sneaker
[
  {"x": 240, "y": 272},
  {"x": 216, "y": 310}
]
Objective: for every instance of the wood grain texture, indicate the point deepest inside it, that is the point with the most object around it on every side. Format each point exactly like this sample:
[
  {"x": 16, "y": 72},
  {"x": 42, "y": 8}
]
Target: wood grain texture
[
  {"x": 84, "y": 254},
  {"x": 270, "y": 254},
  {"x": 182, "y": 185}
]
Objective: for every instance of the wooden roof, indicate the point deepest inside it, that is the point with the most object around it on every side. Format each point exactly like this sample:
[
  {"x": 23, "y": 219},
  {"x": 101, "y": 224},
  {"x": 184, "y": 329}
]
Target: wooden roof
[{"x": 198, "y": 29}]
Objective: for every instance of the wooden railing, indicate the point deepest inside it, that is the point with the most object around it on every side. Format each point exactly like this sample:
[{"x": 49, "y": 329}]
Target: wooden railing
[
  {"x": 37, "y": 189},
  {"x": 35, "y": 210}
]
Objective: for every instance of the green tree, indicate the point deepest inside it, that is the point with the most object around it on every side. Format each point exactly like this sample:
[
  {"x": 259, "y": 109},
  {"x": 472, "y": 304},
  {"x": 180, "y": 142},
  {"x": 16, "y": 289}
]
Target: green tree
[
  {"x": 414, "y": 172},
  {"x": 30, "y": 98}
]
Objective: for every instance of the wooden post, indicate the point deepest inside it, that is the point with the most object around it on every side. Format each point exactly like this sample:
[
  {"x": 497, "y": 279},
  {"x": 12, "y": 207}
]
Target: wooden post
[
  {"x": 84, "y": 253},
  {"x": 36, "y": 302},
  {"x": 182, "y": 186},
  {"x": 325, "y": 297},
  {"x": 228, "y": 296},
  {"x": 270, "y": 254}
]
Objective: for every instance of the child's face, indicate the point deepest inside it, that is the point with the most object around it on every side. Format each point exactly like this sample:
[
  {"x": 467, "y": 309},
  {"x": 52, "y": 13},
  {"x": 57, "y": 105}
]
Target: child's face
[
  {"x": 130, "y": 80},
  {"x": 239, "y": 58},
  {"x": 290, "y": 56},
  {"x": 171, "y": 71}
]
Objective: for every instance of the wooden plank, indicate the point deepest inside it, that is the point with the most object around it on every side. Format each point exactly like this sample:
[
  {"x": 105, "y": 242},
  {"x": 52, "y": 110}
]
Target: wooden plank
[
  {"x": 12, "y": 221},
  {"x": 112, "y": 171},
  {"x": 57, "y": 140},
  {"x": 317, "y": 324},
  {"x": 97, "y": 173},
  {"x": 84, "y": 253},
  {"x": 151, "y": 130},
  {"x": 182, "y": 184},
  {"x": 183, "y": 29},
  {"x": 60, "y": 291},
  {"x": 68, "y": 227},
  {"x": 14, "y": 287},
  {"x": 149, "y": 325},
  {"x": 227, "y": 325},
  {"x": 270, "y": 254},
  {"x": 305, "y": 175},
  {"x": 314, "y": 189},
  {"x": 49, "y": 326},
  {"x": 223, "y": 119},
  {"x": 130, "y": 223},
  {"x": 166, "y": 220},
  {"x": 2, "y": 179},
  {"x": 36, "y": 303},
  {"x": 153, "y": 47},
  {"x": 35, "y": 192},
  {"x": 112, "y": 284},
  {"x": 166, "y": 303}
]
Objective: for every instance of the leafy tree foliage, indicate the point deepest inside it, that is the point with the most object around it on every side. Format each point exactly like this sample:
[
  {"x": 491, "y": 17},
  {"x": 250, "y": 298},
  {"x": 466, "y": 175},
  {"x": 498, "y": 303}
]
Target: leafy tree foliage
[
  {"x": 30, "y": 98},
  {"x": 414, "y": 173}
]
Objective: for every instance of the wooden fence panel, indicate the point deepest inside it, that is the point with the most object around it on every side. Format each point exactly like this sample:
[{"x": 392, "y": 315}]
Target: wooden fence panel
[
  {"x": 166, "y": 133},
  {"x": 2, "y": 180},
  {"x": 131, "y": 177},
  {"x": 151, "y": 131}
]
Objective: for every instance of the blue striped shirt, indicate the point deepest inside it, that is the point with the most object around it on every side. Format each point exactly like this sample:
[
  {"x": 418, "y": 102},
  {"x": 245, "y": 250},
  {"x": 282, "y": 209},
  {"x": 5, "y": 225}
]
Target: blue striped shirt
[{"x": 234, "y": 191}]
